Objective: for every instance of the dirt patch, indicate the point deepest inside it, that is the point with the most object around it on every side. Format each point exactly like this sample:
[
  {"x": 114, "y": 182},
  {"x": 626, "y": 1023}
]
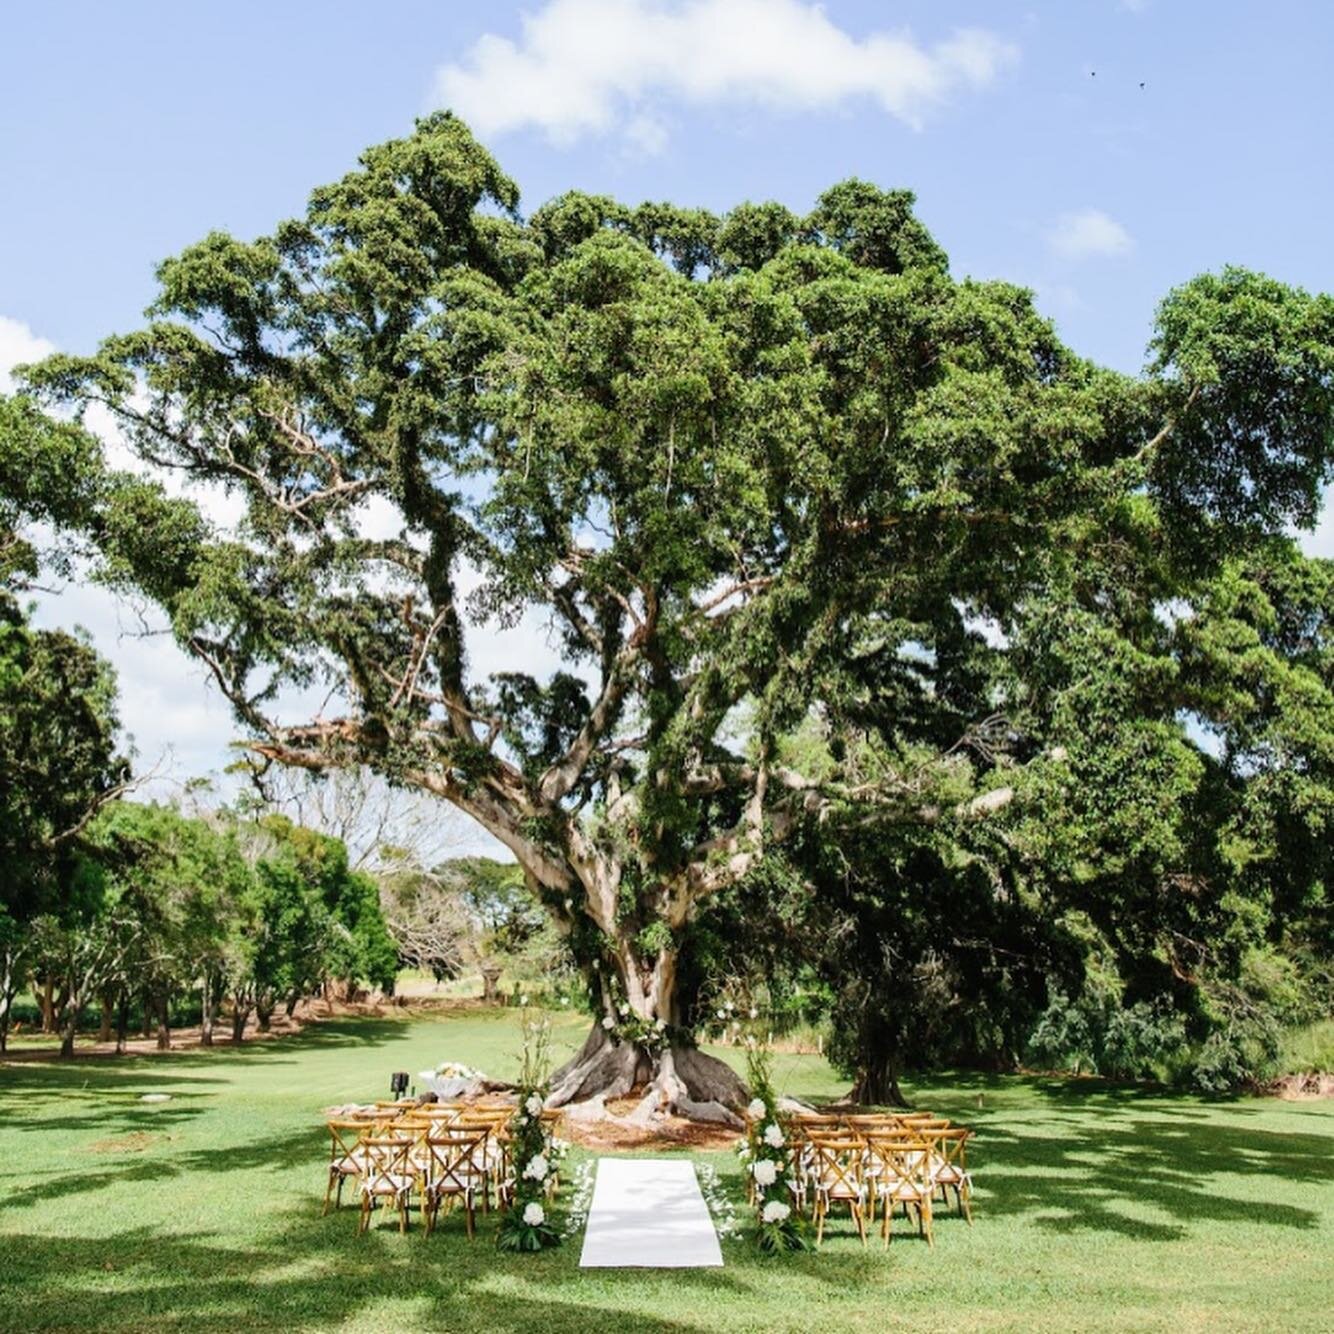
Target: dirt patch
[
  {"x": 1294, "y": 1087},
  {"x": 135, "y": 1142},
  {"x": 666, "y": 1132}
]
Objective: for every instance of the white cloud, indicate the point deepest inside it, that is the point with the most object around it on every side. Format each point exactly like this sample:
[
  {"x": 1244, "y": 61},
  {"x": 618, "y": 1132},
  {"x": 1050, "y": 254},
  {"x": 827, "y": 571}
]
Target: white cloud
[
  {"x": 18, "y": 344},
  {"x": 590, "y": 66},
  {"x": 1088, "y": 233}
]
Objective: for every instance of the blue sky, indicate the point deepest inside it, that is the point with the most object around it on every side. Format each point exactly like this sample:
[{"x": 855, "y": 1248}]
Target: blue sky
[{"x": 127, "y": 131}]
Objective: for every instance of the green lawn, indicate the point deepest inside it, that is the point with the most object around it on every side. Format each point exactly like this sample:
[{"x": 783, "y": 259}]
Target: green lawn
[{"x": 1098, "y": 1207}]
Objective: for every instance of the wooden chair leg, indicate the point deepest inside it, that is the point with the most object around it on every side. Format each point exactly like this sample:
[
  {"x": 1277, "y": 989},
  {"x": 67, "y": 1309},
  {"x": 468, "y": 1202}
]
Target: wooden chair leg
[
  {"x": 468, "y": 1214},
  {"x": 819, "y": 1222},
  {"x": 329, "y": 1193},
  {"x": 402, "y": 1213},
  {"x": 859, "y": 1220}
]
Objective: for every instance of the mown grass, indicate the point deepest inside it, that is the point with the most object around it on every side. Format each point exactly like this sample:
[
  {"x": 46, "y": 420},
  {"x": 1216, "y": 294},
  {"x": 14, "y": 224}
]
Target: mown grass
[{"x": 1098, "y": 1207}]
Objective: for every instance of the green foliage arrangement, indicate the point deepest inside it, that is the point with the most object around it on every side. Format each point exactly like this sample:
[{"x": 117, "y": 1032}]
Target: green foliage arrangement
[
  {"x": 526, "y": 1224},
  {"x": 767, "y": 1156}
]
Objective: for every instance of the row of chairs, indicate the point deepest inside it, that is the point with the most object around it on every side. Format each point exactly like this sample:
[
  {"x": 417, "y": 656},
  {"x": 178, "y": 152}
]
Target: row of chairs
[
  {"x": 436, "y": 1154},
  {"x": 879, "y": 1162}
]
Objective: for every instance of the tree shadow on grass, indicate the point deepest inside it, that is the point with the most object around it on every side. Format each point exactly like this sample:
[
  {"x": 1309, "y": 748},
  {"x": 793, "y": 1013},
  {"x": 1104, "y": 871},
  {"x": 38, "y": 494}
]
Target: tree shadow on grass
[
  {"x": 314, "y": 1273},
  {"x": 1187, "y": 1171},
  {"x": 169, "y": 1162}
]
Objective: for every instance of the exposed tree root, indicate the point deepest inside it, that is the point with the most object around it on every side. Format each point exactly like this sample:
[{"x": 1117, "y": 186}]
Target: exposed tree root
[{"x": 681, "y": 1080}]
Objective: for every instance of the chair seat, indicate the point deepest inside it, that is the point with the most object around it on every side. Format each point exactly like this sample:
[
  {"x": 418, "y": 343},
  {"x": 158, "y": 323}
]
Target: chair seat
[
  {"x": 390, "y": 1183},
  {"x": 350, "y": 1165},
  {"x": 949, "y": 1175},
  {"x": 840, "y": 1192},
  {"x": 447, "y": 1186},
  {"x": 903, "y": 1191}
]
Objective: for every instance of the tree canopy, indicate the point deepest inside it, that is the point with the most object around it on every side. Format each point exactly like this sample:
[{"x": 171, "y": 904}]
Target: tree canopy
[{"x": 760, "y": 473}]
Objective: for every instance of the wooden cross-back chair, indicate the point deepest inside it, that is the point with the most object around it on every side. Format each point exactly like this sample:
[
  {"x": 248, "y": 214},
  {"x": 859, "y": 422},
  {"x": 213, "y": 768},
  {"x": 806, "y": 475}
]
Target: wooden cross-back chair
[
  {"x": 493, "y": 1157},
  {"x": 835, "y": 1175},
  {"x": 949, "y": 1167},
  {"x": 440, "y": 1111},
  {"x": 387, "y": 1174},
  {"x": 451, "y": 1174},
  {"x": 345, "y": 1156},
  {"x": 901, "y": 1167}
]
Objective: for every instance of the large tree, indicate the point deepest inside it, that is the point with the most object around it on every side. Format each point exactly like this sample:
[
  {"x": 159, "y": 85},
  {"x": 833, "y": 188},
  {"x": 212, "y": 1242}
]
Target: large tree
[{"x": 746, "y": 467}]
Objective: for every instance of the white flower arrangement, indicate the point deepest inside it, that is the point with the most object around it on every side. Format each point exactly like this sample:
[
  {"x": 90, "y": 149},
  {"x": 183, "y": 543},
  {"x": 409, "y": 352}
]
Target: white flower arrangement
[
  {"x": 775, "y": 1211},
  {"x": 456, "y": 1070},
  {"x": 773, "y": 1135},
  {"x": 721, "y": 1207},
  {"x": 534, "y": 1105},
  {"x": 537, "y": 1168},
  {"x": 764, "y": 1171},
  {"x": 581, "y": 1196},
  {"x": 756, "y": 1109},
  {"x": 533, "y": 1214},
  {"x": 608, "y": 1023}
]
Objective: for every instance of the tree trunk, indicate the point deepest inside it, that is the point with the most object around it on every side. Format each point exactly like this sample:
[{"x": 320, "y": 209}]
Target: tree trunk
[
  {"x": 264, "y": 1014},
  {"x": 676, "y": 1077},
  {"x": 104, "y": 1028},
  {"x": 122, "y": 1021},
  {"x": 240, "y": 1015},
  {"x": 878, "y": 1083},
  {"x": 163, "y": 1022},
  {"x": 146, "y": 1003},
  {"x": 10, "y": 973},
  {"x": 206, "y": 1011},
  {"x": 70, "y": 1025},
  {"x": 46, "y": 1000}
]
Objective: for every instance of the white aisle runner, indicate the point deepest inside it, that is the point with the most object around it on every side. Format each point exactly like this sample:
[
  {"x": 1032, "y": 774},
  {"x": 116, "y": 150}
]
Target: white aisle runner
[{"x": 649, "y": 1212}]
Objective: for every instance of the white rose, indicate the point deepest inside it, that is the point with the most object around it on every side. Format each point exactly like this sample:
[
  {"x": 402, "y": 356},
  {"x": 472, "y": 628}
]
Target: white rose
[
  {"x": 775, "y": 1211},
  {"x": 537, "y": 1168},
  {"x": 569, "y": 905},
  {"x": 773, "y": 1135},
  {"x": 722, "y": 1014},
  {"x": 754, "y": 1014},
  {"x": 523, "y": 1000},
  {"x": 624, "y": 1009},
  {"x": 534, "y": 1215},
  {"x": 764, "y": 1172},
  {"x": 730, "y": 1007},
  {"x": 660, "y": 1025},
  {"x": 608, "y": 1022},
  {"x": 756, "y": 1109},
  {"x": 534, "y": 1105}
]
